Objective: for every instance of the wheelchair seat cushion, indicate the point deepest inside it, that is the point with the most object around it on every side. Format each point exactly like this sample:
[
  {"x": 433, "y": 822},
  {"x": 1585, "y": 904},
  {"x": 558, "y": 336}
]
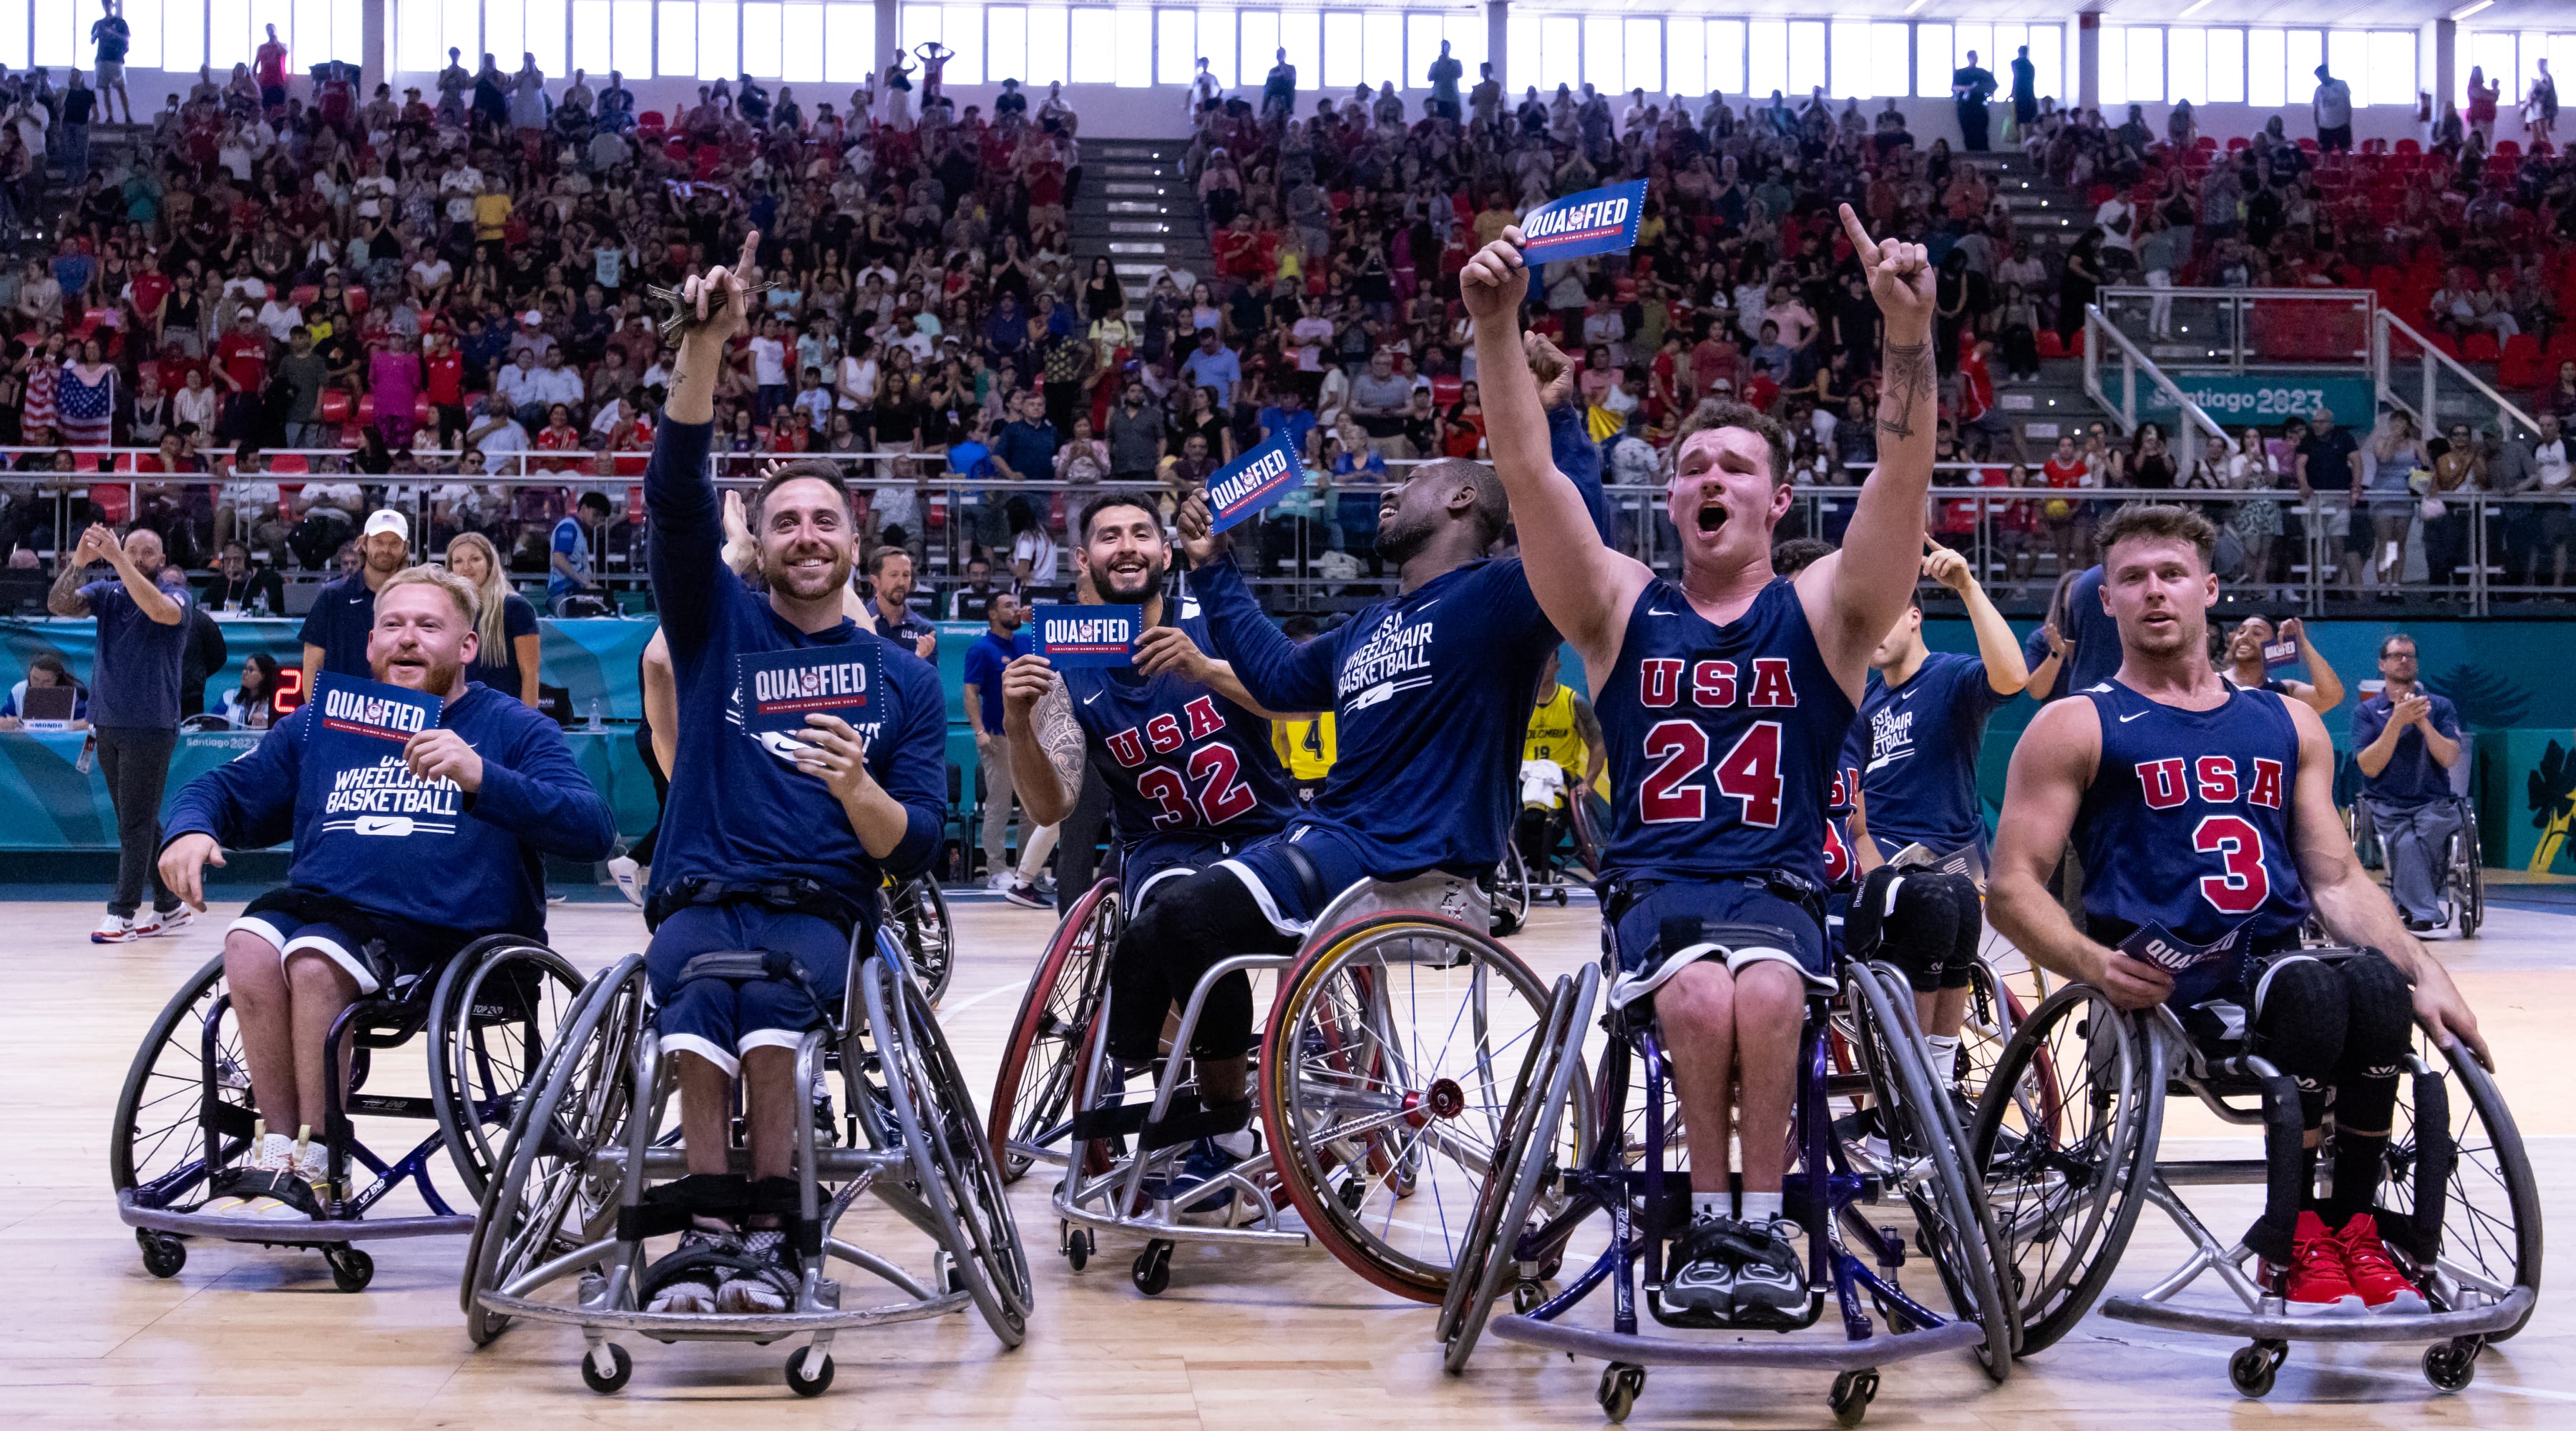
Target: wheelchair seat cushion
[
  {"x": 1660, "y": 929},
  {"x": 386, "y": 956}
]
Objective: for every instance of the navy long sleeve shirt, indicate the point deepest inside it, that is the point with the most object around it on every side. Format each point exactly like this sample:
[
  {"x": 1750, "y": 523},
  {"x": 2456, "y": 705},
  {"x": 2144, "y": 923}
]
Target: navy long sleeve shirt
[
  {"x": 739, "y": 809},
  {"x": 421, "y": 851}
]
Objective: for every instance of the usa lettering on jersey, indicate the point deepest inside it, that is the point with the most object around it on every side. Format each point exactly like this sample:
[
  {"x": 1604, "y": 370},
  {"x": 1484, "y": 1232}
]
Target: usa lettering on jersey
[
  {"x": 1207, "y": 789},
  {"x": 2168, "y": 783},
  {"x": 1673, "y": 791}
]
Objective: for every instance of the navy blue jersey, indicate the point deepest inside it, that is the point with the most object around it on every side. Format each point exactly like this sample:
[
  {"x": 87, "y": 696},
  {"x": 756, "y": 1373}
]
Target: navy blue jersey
[
  {"x": 1186, "y": 768},
  {"x": 1722, "y": 740},
  {"x": 2187, "y": 822},
  {"x": 1915, "y": 747}
]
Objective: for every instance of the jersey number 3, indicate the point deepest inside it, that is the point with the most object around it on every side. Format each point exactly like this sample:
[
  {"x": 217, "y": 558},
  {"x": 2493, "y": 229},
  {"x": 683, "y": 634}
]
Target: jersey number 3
[
  {"x": 2244, "y": 884},
  {"x": 1750, "y": 773}
]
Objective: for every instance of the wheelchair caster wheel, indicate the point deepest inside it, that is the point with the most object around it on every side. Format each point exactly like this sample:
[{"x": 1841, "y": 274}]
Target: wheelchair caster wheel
[
  {"x": 1527, "y": 1297},
  {"x": 163, "y": 1255},
  {"x": 2451, "y": 1365},
  {"x": 1853, "y": 1392},
  {"x": 1153, "y": 1270},
  {"x": 1353, "y": 1192},
  {"x": 1620, "y": 1383},
  {"x": 351, "y": 1268},
  {"x": 2251, "y": 1369},
  {"x": 809, "y": 1372},
  {"x": 620, "y": 1367},
  {"x": 1077, "y": 1250}
]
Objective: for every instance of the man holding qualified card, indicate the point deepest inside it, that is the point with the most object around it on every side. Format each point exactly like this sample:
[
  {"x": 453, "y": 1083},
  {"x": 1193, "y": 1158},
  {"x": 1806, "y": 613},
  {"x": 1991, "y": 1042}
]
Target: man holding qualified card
[
  {"x": 1185, "y": 752},
  {"x": 420, "y": 804},
  {"x": 2205, "y": 815},
  {"x": 1724, "y": 698},
  {"x": 810, "y": 767}
]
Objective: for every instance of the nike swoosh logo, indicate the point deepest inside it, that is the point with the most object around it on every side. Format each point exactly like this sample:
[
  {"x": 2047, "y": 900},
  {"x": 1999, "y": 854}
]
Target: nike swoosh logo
[
  {"x": 1095, "y": 695},
  {"x": 1658, "y": 611},
  {"x": 2124, "y": 720}
]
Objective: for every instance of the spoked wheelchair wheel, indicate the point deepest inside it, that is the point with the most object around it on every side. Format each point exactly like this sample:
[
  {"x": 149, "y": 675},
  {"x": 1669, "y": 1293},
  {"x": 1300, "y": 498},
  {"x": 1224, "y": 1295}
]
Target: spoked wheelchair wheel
[
  {"x": 498, "y": 1006},
  {"x": 928, "y": 935},
  {"x": 1995, "y": 1013},
  {"x": 1917, "y": 1116},
  {"x": 2488, "y": 1200},
  {"x": 550, "y": 1196},
  {"x": 2465, "y": 883},
  {"x": 1032, "y": 1112},
  {"x": 2069, "y": 1117},
  {"x": 1386, "y": 1073},
  {"x": 952, "y": 1159},
  {"x": 157, "y": 1150},
  {"x": 1527, "y": 1154}
]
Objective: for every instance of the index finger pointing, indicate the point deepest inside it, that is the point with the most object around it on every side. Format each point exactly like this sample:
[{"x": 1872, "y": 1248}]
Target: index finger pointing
[
  {"x": 750, "y": 256},
  {"x": 1863, "y": 247}
]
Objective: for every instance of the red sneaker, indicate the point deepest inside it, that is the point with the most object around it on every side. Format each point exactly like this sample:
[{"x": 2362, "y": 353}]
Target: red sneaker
[
  {"x": 2315, "y": 1282},
  {"x": 2373, "y": 1272}
]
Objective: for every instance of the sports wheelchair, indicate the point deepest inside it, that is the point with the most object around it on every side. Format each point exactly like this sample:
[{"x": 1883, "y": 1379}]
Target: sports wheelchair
[
  {"x": 1382, "y": 1073},
  {"x": 185, "y": 1117},
  {"x": 563, "y": 1225},
  {"x": 1859, "y": 1048},
  {"x": 2068, "y": 1138},
  {"x": 2459, "y": 873},
  {"x": 917, "y": 911}
]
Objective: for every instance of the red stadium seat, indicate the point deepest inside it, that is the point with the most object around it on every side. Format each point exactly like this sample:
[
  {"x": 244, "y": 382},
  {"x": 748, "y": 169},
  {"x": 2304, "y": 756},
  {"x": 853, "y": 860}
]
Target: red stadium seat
[
  {"x": 2506, "y": 149},
  {"x": 2049, "y": 344},
  {"x": 2520, "y": 366},
  {"x": 2409, "y": 147},
  {"x": 289, "y": 462},
  {"x": 334, "y": 408},
  {"x": 367, "y": 410},
  {"x": 357, "y": 299},
  {"x": 115, "y": 502},
  {"x": 2478, "y": 348},
  {"x": 304, "y": 295},
  {"x": 2448, "y": 344}
]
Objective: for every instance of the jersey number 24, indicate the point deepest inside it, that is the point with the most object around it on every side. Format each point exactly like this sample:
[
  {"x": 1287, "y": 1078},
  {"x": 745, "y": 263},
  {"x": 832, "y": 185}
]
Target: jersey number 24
[{"x": 1749, "y": 773}]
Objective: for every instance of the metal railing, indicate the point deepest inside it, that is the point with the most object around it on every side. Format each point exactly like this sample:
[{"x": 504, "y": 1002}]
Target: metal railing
[
  {"x": 2478, "y": 548},
  {"x": 2245, "y": 329},
  {"x": 2441, "y": 390},
  {"x": 2192, "y": 426}
]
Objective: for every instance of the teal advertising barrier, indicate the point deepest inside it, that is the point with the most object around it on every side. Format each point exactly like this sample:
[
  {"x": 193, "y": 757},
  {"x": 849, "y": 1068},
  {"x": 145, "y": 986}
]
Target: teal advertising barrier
[
  {"x": 2267, "y": 399},
  {"x": 48, "y": 801},
  {"x": 2507, "y": 677}
]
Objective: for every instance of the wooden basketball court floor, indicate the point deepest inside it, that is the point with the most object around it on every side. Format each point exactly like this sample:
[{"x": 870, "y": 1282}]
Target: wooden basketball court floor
[{"x": 1245, "y": 1338}]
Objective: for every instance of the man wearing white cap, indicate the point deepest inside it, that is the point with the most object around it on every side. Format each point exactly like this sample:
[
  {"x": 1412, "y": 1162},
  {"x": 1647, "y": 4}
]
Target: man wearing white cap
[{"x": 335, "y": 630}]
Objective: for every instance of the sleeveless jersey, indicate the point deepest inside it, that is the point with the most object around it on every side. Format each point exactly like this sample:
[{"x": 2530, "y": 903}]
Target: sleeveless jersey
[
  {"x": 1553, "y": 735},
  {"x": 2187, "y": 821},
  {"x": 1306, "y": 744},
  {"x": 1722, "y": 741},
  {"x": 1183, "y": 764}
]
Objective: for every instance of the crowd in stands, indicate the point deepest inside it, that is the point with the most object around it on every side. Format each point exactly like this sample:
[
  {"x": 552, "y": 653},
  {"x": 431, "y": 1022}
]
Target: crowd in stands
[{"x": 330, "y": 302}]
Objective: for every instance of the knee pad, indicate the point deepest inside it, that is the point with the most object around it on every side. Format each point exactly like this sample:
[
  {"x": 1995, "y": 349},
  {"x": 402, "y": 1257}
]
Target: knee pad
[
  {"x": 2301, "y": 1013},
  {"x": 2380, "y": 1014},
  {"x": 1910, "y": 919}
]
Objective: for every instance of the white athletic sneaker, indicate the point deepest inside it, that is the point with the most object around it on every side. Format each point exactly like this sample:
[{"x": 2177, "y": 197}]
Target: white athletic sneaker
[
  {"x": 630, "y": 877},
  {"x": 114, "y": 929},
  {"x": 269, "y": 1153},
  {"x": 174, "y": 920},
  {"x": 313, "y": 1162},
  {"x": 999, "y": 882}
]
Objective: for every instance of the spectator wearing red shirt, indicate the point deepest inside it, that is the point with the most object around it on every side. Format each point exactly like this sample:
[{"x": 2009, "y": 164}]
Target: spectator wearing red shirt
[
  {"x": 269, "y": 65},
  {"x": 558, "y": 437},
  {"x": 443, "y": 380},
  {"x": 241, "y": 360}
]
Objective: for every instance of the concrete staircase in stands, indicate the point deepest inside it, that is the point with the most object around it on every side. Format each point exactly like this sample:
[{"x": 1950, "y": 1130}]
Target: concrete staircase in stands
[{"x": 1136, "y": 210}]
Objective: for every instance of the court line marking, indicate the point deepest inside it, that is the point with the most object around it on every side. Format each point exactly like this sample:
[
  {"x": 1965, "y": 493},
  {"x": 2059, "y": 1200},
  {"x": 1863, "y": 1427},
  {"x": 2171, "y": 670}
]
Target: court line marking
[{"x": 994, "y": 992}]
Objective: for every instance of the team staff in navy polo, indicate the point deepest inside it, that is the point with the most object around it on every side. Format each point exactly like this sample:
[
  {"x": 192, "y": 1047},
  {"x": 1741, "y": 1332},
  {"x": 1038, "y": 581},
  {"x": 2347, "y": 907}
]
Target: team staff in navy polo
[
  {"x": 133, "y": 707},
  {"x": 336, "y": 629},
  {"x": 2405, "y": 741}
]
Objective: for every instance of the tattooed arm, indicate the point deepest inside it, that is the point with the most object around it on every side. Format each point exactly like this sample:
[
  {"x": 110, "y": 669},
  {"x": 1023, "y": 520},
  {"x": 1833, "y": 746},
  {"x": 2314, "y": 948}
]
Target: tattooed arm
[
  {"x": 1854, "y": 596},
  {"x": 1045, "y": 740}
]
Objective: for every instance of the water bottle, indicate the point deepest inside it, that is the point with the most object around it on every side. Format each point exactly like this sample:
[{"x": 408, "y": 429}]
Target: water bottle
[{"x": 594, "y": 724}]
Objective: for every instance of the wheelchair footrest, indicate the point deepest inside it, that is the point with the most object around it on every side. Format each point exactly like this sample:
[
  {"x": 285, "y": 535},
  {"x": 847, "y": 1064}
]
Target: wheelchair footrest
[
  {"x": 2237, "y": 1322},
  {"x": 1185, "y": 1121},
  {"x": 1808, "y": 1353}
]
